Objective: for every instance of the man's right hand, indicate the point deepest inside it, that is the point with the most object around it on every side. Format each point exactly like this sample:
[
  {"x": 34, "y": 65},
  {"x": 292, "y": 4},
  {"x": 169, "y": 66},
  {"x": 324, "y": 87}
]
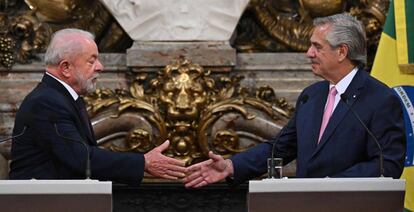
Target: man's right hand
[
  {"x": 160, "y": 165},
  {"x": 210, "y": 171}
]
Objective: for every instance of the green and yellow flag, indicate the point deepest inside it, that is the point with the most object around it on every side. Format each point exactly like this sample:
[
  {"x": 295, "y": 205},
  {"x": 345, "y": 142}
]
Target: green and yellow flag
[{"x": 394, "y": 65}]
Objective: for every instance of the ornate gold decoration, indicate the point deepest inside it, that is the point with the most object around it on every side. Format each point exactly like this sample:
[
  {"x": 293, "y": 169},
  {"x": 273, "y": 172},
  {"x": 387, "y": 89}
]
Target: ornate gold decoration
[
  {"x": 287, "y": 25},
  {"x": 267, "y": 26},
  {"x": 24, "y": 32},
  {"x": 197, "y": 112},
  {"x": 317, "y": 8},
  {"x": 21, "y": 36},
  {"x": 139, "y": 140},
  {"x": 88, "y": 15}
]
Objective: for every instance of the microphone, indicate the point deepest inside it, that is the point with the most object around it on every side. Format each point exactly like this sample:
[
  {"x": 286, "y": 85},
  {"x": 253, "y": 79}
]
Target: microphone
[
  {"x": 53, "y": 119},
  {"x": 272, "y": 157},
  {"x": 344, "y": 98},
  {"x": 28, "y": 121},
  {"x": 302, "y": 101},
  {"x": 15, "y": 136}
]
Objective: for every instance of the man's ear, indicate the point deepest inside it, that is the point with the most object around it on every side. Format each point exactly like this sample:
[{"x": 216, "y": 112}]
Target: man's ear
[
  {"x": 342, "y": 52},
  {"x": 64, "y": 67}
]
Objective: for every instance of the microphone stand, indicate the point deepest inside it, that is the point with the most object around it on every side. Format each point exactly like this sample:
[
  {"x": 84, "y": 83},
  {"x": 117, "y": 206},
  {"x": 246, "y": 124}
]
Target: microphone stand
[
  {"x": 15, "y": 136},
  {"x": 344, "y": 98},
  {"x": 272, "y": 158},
  {"x": 88, "y": 161},
  {"x": 303, "y": 100}
]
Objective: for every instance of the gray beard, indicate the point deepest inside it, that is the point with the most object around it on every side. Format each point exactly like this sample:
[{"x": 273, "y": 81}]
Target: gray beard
[{"x": 88, "y": 86}]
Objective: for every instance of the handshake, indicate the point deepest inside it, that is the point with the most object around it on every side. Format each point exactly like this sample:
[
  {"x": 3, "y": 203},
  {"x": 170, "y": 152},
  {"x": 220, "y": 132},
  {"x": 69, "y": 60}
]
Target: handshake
[{"x": 195, "y": 176}]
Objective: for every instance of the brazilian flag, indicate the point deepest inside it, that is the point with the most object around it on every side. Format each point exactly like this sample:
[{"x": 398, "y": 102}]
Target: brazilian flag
[
  {"x": 406, "y": 94},
  {"x": 394, "y": 65}
]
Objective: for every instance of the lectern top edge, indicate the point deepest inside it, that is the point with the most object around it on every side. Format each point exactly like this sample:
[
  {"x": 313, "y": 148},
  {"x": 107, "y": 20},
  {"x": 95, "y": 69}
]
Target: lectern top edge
[
  {"x": 326, "y": 185},
  {"x": 55, "y": 187}
]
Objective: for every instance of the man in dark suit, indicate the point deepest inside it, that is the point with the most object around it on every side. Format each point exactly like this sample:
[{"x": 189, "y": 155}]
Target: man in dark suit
[
  {"x": 57, "y": 131},
  {"x": 323, "y": 135}
]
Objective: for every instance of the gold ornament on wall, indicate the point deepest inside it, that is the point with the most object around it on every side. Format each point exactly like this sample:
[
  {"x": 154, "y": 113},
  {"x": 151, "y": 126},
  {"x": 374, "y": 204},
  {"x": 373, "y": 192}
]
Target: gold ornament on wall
[
  {"x": 21, "y": 37},
  {"x": 286, "y": 26},
  {"x": 196, "y": 110},
  {"x": 266, "y": 26}
]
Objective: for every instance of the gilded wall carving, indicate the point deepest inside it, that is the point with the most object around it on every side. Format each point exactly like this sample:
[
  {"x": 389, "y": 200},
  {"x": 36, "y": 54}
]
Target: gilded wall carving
[
  {"x": 196, "y": 110},
  {"x": 266, "y": 26},
  {"x": 22, "y": 35},
  {"x": 26, "y": 27},
  {"x": 285, "y": 25}
]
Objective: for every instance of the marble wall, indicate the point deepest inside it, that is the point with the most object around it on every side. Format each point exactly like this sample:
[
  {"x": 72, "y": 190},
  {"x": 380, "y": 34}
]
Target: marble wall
[{"x": 286, "y": 73}]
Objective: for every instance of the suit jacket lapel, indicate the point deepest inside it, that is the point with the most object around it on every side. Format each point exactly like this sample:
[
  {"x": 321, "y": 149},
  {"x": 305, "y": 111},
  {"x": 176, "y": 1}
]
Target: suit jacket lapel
[
  {"x": 50, "y": 81},
  {"x": 309, "y": 118},
  {"x": 87, "y": 126},
  {"x": 352, "y": 93},
  {"x": 316, "y": 116}
]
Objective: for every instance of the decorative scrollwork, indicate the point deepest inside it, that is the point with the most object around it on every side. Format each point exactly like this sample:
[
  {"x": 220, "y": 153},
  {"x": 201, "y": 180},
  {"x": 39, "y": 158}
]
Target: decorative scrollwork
[
  {"x": 286, "y": 25},
  {"x": 7, "y": 45},
  {"x": 196, "y": 111},
  {"x": 138, "y": 139},
  {"x": 21, "y": 36},
  {"x": 266, "y": 26},
  {"x": 89, "y": 15}
]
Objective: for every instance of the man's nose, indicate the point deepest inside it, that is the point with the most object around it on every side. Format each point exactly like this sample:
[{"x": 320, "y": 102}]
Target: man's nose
[
  {"x": 310, "y": 53},
  {"x": 99, "y": 67}
]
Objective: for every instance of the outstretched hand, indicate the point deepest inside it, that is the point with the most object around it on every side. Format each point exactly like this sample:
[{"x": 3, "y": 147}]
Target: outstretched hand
[
  {"x": 160, "y": 165},
  {"x": 209, "y": 171}
]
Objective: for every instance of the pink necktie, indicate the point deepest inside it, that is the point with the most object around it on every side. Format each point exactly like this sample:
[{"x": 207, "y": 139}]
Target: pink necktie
[{"x": 328, "y": 111}]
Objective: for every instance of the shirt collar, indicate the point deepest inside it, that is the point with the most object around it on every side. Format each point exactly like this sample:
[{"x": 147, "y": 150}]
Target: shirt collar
[
  {"x": 342, "y": 85},
  {"x": 72, "y": 92}
]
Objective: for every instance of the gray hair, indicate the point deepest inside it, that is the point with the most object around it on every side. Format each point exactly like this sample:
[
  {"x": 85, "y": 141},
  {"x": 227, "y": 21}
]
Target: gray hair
[
  {"x": 62, "y": 46},
  {"x": 347, "y": 30}
]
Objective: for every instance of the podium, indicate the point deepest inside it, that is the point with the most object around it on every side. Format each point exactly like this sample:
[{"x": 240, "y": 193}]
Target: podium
[
  {"x": 327, "y": 194},
  {"x": 55, "y": 195}
]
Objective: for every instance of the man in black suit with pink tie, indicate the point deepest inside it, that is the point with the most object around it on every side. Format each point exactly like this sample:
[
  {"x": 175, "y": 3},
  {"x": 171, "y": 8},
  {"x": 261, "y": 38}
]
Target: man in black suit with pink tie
[{"x": 324, "y": 135}]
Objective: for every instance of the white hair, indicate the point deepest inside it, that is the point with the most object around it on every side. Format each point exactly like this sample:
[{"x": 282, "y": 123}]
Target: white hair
[
  {"x": 345, "y": 29},
  {"x": 62, "y": 46}
]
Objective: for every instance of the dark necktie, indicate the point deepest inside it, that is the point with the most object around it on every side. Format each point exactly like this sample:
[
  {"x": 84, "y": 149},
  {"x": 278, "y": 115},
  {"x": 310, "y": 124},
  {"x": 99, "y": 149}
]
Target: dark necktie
[{"x": 83, "y": 113}]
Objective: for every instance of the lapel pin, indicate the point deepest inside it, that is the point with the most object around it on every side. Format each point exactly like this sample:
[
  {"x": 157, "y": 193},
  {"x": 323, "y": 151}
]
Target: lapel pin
[{"x": 354, "y": 96}]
